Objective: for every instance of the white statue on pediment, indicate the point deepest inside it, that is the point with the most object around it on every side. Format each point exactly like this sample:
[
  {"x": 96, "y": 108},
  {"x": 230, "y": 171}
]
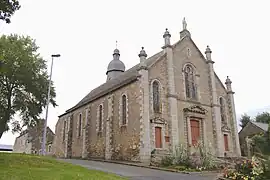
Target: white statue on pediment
[{"x": 184, "y": 24}]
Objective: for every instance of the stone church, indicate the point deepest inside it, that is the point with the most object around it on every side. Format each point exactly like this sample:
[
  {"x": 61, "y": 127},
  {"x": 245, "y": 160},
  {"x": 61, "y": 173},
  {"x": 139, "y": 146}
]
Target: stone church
[{"x": 170, "y": 99}]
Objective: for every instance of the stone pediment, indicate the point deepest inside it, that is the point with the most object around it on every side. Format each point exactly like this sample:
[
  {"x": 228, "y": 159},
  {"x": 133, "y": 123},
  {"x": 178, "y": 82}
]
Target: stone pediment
[
  {"x": 158, "y": 120},
  {"x": 225, "y": 128},
  {"x": 196, "y": 109}
]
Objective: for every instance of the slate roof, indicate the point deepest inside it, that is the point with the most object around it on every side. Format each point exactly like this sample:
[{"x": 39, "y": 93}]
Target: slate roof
[
  {"x": 263, "y": 126},
  {"x": 113, "y": 84}
]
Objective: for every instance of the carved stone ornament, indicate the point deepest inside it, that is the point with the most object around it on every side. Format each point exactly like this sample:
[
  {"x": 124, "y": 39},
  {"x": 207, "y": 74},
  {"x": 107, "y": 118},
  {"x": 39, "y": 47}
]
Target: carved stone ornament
[
  {"x": 158, "y": 120},
  {"x": 225, "y": 128},
  {"x": 195, "y": 109}
]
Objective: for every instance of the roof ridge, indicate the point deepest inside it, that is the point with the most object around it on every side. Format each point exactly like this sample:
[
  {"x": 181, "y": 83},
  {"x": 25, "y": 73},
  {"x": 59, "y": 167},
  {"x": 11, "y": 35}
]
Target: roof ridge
[{"x": 129, "y": 75}]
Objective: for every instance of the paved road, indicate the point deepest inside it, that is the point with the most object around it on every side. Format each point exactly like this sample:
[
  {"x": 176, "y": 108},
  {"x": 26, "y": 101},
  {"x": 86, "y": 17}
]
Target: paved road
[{"x": 138, "y": 173}]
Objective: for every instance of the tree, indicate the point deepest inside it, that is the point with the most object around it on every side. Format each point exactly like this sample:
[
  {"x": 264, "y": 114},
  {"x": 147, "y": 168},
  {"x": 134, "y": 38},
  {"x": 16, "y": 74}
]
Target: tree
[
  {"x": 8, "y": 8},
  {"x": 244, "y": 120},
  {"x": 263, "y": 117},
  {"x": 23, "y": 83}
]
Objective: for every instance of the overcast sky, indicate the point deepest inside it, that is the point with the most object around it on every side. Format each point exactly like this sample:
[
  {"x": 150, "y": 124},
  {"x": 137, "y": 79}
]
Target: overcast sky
[{"x": 84, "y": 33}]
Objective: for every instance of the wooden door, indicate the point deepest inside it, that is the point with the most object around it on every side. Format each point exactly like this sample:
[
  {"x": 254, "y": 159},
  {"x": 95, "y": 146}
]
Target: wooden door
[
  {"x": 226, "y": 142},
  {"x": 195, "y": 131},
  {"x": 158, "y": 137}
]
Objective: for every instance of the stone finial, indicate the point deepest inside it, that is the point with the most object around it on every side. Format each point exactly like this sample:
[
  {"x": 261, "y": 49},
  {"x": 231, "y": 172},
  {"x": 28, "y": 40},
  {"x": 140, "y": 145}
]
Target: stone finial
[
  {"x": 166, "y": 33},
  {"x": 208, "y": 50},
  {"x": 142, "y": 53},
  {"x": 184, "y": 23},
  {"x": 208, "y": 53},
  {"x": 167, "y": 36},
  {"x": 228, "y": 83},
  {"x": 142, "y": 56}
]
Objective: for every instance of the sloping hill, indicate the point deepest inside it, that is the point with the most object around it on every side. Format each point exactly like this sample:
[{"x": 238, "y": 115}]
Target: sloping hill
[{"x": 25, "y": 167}]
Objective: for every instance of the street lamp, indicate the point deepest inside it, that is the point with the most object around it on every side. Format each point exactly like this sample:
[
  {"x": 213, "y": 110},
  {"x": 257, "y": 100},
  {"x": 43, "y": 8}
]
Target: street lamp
[{"x": 43, "y": 148}]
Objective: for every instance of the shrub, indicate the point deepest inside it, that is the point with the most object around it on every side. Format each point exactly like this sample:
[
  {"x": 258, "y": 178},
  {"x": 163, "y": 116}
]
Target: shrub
[
  {"x": 167, "y": 161},
  {"x": 247, "y": 170},
  {"x": 181, "y": 156},
  {"x": 201, "y": 160},
  {"x": 207, "y": 160}
]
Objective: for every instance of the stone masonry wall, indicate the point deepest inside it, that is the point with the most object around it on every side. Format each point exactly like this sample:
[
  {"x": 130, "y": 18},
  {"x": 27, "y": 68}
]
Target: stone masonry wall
[
  {"x": 58, "y": 146},
  {"x": 69, "y": 136},
  {"x": 125, "y": 138},
  {"x": 185, "y": 52},
  {"x": 96, "y": 139},
  {"x": 158, "y": 72},
  {"x": 77, "y": 137}
]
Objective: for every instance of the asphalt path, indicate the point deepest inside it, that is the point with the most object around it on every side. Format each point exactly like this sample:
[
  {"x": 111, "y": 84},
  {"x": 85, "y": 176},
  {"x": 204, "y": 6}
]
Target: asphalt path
[{"x": 139, "y": 173}]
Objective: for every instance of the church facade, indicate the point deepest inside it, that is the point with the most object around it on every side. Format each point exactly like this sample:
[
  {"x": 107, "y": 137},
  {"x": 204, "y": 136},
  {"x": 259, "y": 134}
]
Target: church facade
[{"x": 169, "y": 99}]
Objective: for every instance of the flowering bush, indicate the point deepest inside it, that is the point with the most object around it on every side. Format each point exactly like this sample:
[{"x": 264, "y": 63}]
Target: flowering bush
[{"x": 246, "y": 170}]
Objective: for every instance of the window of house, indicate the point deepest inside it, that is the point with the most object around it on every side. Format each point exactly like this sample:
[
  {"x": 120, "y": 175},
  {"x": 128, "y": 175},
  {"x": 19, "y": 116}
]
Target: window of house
[
  {"x": 156, "y": 97},
  {"x": 80, "y": 125},
  {"x": 124, "y": 110},
  {"x": 190, "y": 82},
  {"x": 222, "y": 109},
  {"x": 195, "y": 131},
  {"x": 100, "y": 118}
]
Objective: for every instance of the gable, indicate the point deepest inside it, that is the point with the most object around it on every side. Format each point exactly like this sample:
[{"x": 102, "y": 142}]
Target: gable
[
  {"x": 185, "y": 51},
  {"x": 249, "y": 130},
  {"x": 197, "y": 55}
]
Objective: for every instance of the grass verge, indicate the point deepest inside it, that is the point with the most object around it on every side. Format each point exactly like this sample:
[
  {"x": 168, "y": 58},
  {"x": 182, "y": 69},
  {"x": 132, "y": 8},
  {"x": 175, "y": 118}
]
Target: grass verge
[{"x": 31, "y": 167}]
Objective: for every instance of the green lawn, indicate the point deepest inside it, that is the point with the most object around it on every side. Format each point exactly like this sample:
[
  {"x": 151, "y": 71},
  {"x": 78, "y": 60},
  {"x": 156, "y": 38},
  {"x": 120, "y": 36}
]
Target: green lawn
[{"x": 26, "y": 167}]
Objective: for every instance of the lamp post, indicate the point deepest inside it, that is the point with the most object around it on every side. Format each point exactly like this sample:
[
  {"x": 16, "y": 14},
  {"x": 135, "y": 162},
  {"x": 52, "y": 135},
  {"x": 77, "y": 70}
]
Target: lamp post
[{"x": 47, "y": 108}]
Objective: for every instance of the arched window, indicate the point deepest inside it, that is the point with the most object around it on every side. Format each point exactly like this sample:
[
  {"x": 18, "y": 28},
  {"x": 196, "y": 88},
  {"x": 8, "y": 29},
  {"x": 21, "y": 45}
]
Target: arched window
[
  {"x": 124, "y": 109},
  {"x": 80, "y": 125},
  {"x": 100, "y": 118},
  {"x": 156, "y": 97},
  {"x": 190, "y": 82},
  {"x": 222, "y": 109}
]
